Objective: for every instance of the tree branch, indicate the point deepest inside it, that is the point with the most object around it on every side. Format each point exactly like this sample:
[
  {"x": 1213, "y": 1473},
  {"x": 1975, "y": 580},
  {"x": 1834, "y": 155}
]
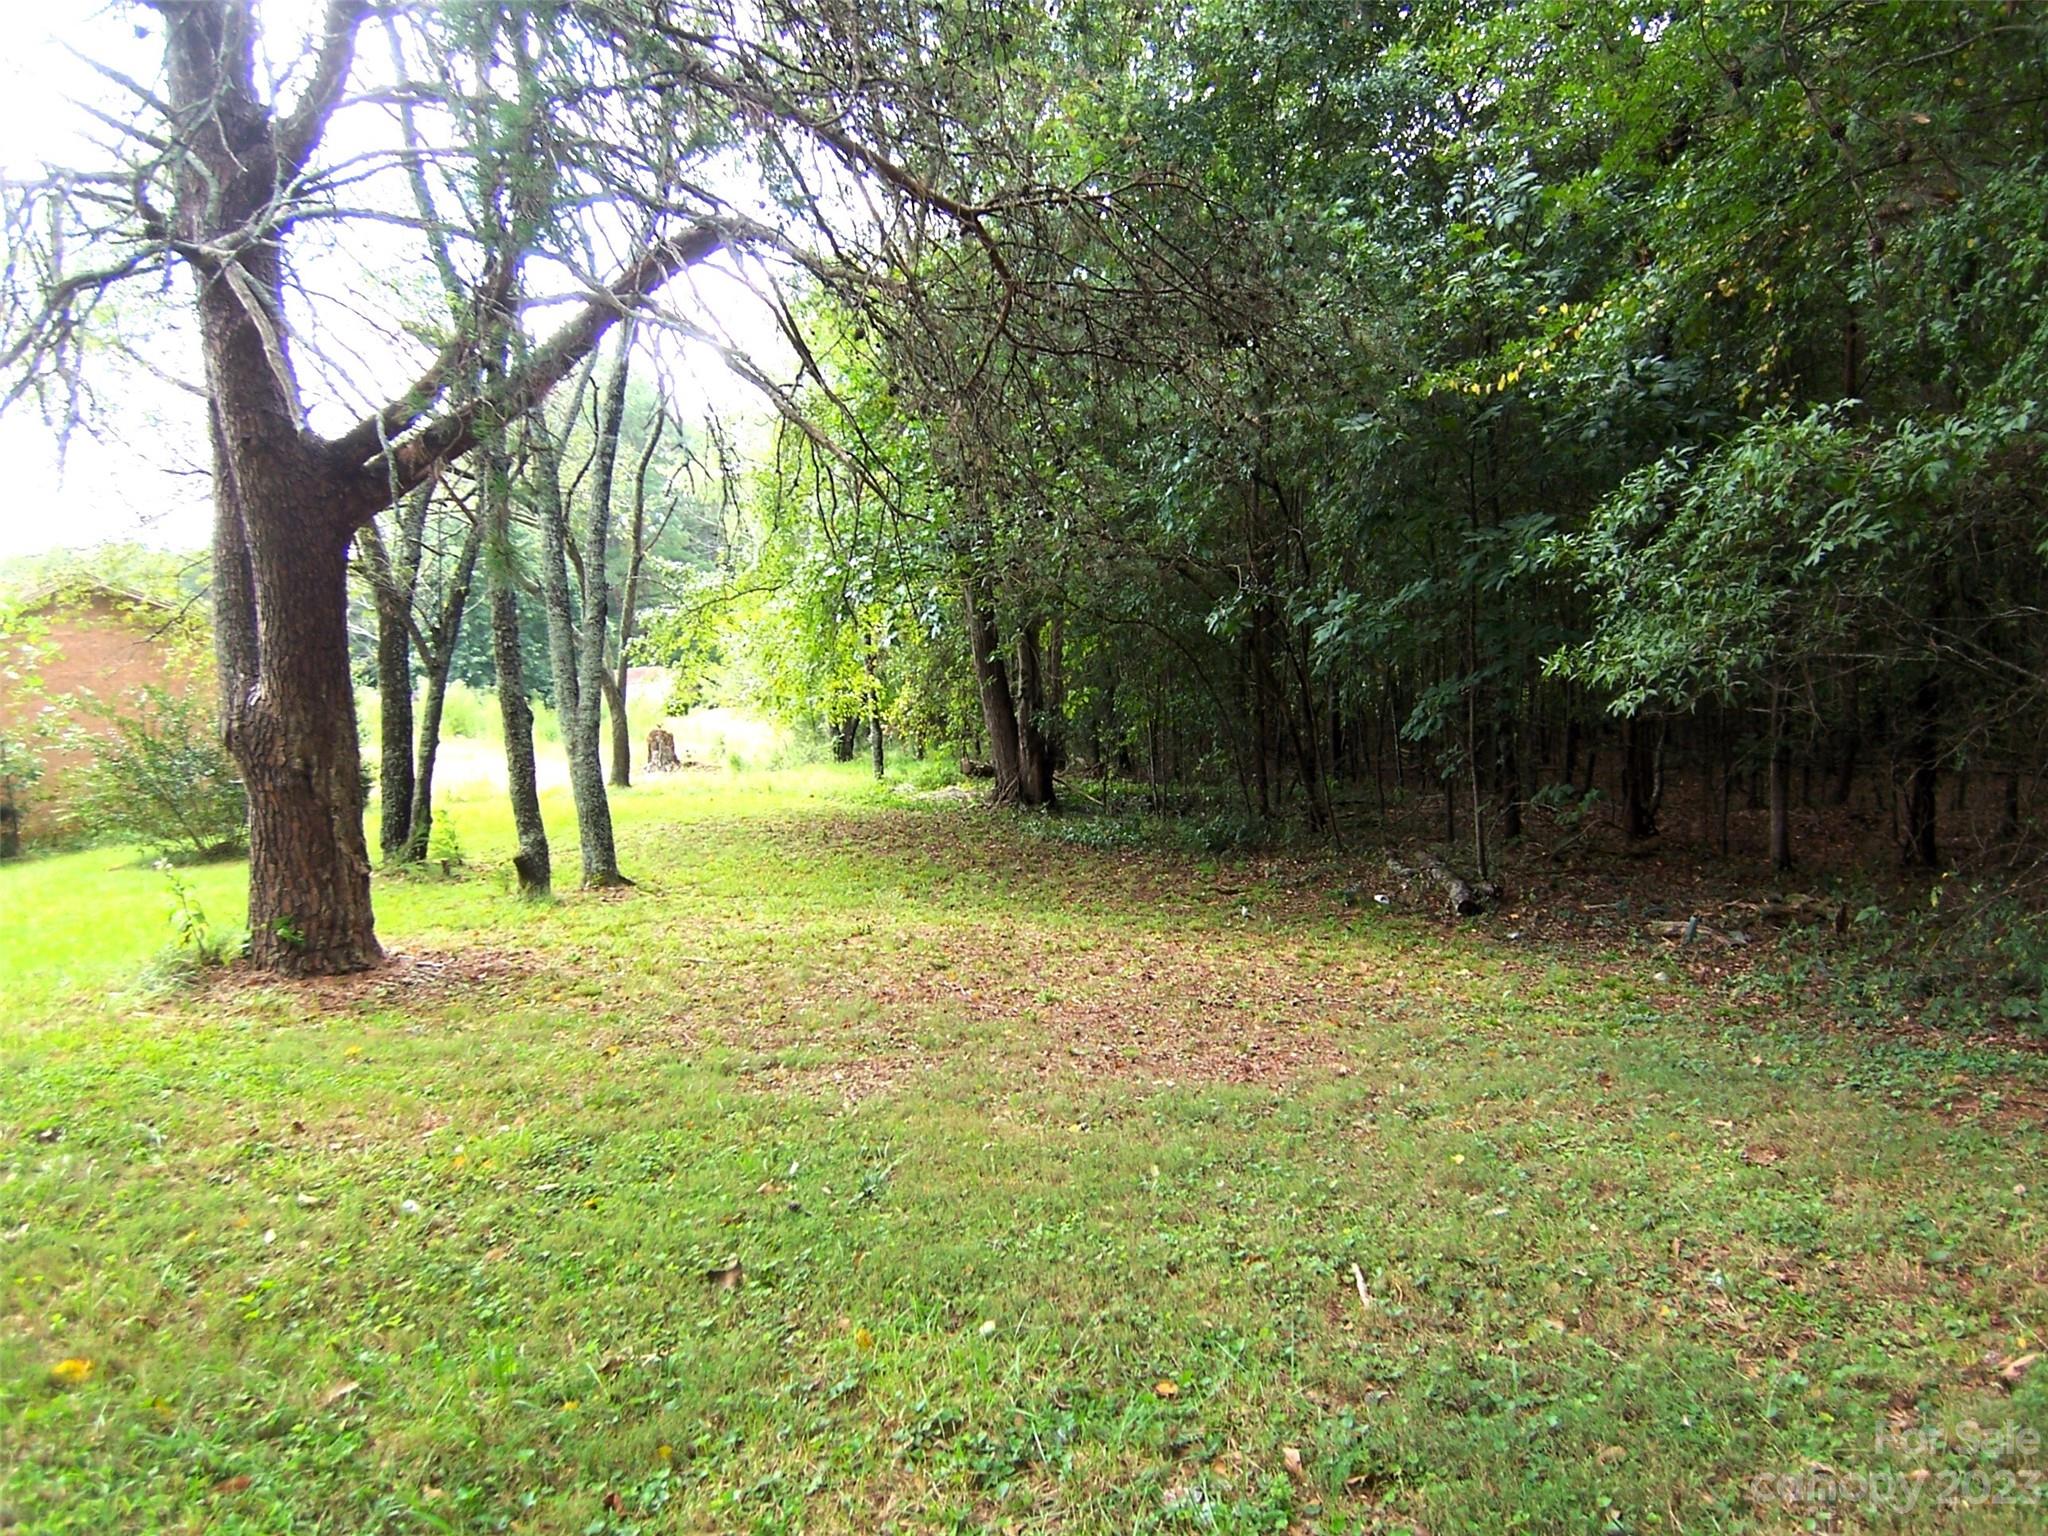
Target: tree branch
[
  {"x": 378, "y": 476},
  {"x": 299, "y": 134}
]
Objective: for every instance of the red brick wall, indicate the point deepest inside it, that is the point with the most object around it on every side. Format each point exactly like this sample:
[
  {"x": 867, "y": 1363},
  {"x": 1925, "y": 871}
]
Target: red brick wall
[{"x": 101, "y": 646}]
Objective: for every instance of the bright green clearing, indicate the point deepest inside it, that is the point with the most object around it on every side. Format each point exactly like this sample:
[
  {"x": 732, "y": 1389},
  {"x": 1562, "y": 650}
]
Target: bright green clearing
[{"x": 884, "y": 1164}]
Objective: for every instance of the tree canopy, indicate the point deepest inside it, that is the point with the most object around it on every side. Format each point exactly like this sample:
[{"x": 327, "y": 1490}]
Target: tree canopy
[{"x": 1287, "y": 397}]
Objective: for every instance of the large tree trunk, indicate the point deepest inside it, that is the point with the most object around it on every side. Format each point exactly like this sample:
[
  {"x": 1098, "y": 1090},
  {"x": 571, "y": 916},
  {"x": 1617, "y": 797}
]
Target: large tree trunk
[
  {"x": 992, "y": 682},
  {"x": 281, "y": 538},
  {"x": 282, "y": 523},
  {"x": 288, "y": 711}
]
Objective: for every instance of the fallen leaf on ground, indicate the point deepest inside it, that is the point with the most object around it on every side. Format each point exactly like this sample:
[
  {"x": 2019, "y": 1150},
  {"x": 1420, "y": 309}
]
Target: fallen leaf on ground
[{"x": 335, "y": 1393}]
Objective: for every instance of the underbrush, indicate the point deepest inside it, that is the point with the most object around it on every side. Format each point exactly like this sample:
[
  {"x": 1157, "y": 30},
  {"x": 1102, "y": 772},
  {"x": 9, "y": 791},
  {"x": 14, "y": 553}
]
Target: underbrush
[{"x": 1973, "y": 956}]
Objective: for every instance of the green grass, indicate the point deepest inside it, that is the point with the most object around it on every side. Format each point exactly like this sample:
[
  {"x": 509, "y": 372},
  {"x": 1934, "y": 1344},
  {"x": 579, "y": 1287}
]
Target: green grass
[{"x": 877, "y": 1165}]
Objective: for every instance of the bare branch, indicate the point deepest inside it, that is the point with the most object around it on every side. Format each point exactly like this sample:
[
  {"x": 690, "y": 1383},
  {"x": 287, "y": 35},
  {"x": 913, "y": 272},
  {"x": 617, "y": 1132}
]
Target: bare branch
[
  {"x": 413, "y": 457},
  {"x": 299, "y": 133}
]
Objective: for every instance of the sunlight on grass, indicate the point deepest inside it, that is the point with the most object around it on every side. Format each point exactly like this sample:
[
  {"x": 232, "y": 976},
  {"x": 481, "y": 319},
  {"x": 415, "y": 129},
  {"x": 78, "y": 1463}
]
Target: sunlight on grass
[{"x": 873, "y": 1166}]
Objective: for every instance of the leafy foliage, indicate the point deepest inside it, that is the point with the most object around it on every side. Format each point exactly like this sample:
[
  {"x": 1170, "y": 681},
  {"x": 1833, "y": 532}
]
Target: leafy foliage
[{"x": 161, "y": 778}]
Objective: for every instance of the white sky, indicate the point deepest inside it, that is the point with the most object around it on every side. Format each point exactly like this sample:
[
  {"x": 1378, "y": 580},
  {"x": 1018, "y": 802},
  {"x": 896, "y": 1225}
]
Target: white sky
[{"x": 140, "y": 474}]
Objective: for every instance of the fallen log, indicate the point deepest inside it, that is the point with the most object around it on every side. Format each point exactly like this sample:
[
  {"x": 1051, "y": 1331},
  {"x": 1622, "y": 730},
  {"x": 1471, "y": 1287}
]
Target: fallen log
[
  {"x": 1693, "y": 931},
  {"x": 1461, "y": 897}
]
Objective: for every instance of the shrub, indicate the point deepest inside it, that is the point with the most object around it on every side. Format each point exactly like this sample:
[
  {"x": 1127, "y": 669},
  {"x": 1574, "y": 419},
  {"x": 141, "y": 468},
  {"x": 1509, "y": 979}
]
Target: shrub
[
  {"x": 163, "y": 779},
  {"x": 471, "y": 713}
]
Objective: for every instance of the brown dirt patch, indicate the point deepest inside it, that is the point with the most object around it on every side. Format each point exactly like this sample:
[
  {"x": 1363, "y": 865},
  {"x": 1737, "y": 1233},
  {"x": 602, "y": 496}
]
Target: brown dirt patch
[{"x": 405, "y": 976}]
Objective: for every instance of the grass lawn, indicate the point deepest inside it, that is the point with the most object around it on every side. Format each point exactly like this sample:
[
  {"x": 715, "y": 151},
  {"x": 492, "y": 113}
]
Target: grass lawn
[{"x": 882, "y": 1164}]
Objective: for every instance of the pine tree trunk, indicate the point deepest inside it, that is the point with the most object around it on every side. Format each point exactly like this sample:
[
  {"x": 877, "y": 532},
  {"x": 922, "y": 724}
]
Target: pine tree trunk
[
  {"x": 577, "y": 715},
  {"x": 394, "y": 726},
  {"x": 288, "y": 713},
  {"x": 532, "y": 862},
  {"x": 579, "y": 732},
  {"x": 992, "y": 682},
  {"x": 600, "y": 863},
  {"x": 420, "y": 834},
  {"x": 288, "y": 708}
]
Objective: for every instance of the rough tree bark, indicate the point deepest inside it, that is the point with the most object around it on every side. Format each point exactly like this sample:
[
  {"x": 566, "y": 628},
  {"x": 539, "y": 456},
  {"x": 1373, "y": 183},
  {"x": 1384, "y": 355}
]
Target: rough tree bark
[
  {"x": 992, "y": 682},
  {"x": 569, "y": 658},
  {"x": 288, "y": 502},
  {"x": 532, "y": 863}
]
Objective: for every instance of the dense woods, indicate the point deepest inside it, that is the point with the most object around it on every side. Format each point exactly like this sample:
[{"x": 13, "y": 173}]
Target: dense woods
[
  {"x": 1502, "y": 403},
  {"x": 1594, "y": 407}
]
